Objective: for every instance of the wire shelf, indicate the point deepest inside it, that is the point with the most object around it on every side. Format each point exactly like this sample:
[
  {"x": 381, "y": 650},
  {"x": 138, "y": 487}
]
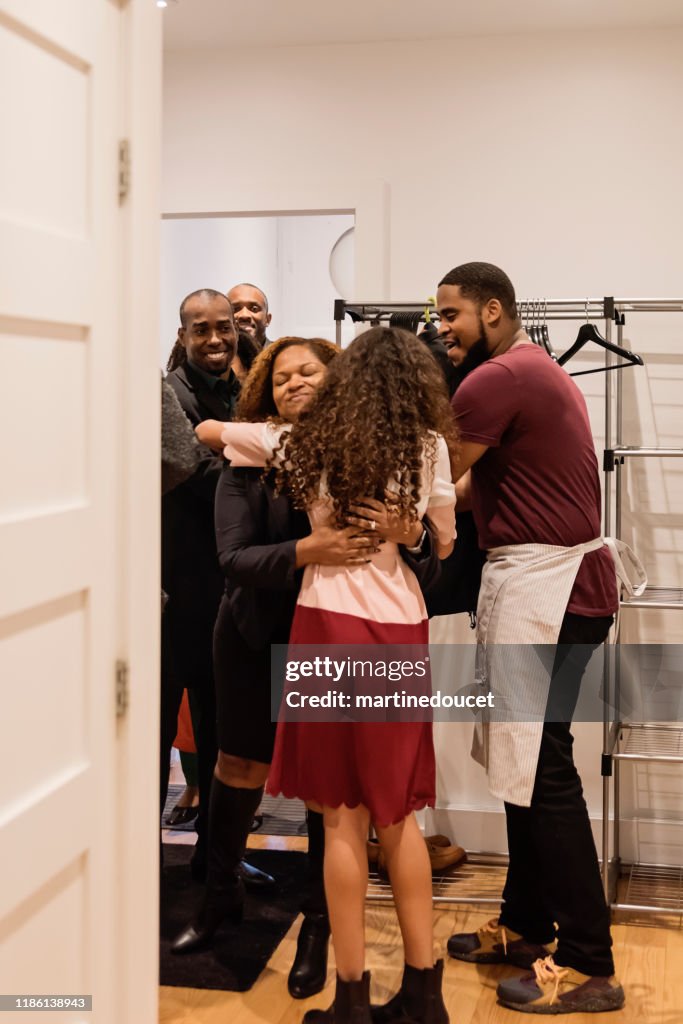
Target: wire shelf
[
  {"x": 654, "y": 889},
  {"x": 652, "y": 742},
  {"x": 477, "y": 880}
]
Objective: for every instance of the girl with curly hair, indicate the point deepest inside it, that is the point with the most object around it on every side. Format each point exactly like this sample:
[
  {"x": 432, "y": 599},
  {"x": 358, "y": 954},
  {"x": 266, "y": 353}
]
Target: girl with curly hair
[
  {"x": 263, "y": 543},
  {"x": 372, "y": 449}
]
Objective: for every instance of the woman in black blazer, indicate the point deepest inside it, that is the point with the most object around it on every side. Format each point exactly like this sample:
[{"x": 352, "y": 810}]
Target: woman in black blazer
[{"x": 263, "y": 543}]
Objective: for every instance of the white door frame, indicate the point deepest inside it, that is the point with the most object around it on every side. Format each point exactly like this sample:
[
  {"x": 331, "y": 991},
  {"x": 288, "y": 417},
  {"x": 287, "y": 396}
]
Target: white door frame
[{"x": 138, "y": 731}]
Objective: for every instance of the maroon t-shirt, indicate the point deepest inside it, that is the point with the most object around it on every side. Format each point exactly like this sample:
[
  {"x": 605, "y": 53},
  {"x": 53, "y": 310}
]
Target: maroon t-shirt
[{"x": 538, "y": 482}]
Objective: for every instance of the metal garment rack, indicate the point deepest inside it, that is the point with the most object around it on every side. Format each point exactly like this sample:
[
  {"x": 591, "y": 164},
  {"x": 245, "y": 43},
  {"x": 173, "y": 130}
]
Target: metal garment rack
[
  {"x": 375, "y": 313},
  {"x": 650, "y": 888},
  {"x": 606, "y": 309}
]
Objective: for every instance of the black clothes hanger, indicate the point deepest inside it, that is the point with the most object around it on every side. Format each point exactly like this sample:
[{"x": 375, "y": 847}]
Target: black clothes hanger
[
  {"x": 589, "y": 332},
  {"x": 545, "y": 341},
  {"x": 538, "y": 331}
]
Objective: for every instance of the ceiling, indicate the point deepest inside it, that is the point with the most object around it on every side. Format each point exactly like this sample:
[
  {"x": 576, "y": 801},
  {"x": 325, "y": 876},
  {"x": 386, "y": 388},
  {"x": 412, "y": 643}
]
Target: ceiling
[{"x": 189, "y": 24}]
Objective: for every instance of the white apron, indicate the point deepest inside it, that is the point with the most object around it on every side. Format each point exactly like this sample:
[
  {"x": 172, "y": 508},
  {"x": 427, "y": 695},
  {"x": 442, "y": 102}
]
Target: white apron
[{"x": 525, "y": 590}]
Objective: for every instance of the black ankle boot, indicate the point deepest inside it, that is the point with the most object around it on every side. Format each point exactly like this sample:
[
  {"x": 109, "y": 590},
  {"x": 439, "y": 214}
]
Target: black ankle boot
[
  {"x": 418, "y": 1001},
  {"x": 309, "y": 970},
  {"x": 351, "y": 1004},
  {"x": 230, "y": 813}
]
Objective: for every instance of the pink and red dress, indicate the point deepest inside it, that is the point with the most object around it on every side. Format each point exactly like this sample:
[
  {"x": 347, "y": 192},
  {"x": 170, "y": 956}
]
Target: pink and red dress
[{"x": 388, "y": 767}]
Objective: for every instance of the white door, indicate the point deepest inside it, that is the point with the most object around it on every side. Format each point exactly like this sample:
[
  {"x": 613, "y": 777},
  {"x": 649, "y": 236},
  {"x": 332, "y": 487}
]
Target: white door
[{"x": 66, "y": 493}]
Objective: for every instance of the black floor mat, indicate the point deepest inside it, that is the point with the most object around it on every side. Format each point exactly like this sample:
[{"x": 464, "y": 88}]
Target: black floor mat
[{"x": 240, "y": 952}]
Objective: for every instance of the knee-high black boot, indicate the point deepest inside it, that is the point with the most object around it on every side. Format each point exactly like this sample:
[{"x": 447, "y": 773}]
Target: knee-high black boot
[
  {"x": 351, "y": 1004},
  {"x": 309, "y": 970},
  {"x": 419, "y": 1000},
  {"x": 230, "y": 813}
]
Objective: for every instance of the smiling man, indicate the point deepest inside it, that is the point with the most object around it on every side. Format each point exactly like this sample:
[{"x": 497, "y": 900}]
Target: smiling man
[
  {"x": 208, "y": 335},
  {"x": 549, "y": 580},
  {"x": 206, "y": 387},
  {"x": 250, "y": 308}
]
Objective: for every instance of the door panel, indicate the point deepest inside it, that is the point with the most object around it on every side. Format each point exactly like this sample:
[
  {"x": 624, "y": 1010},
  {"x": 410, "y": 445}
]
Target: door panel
[{"x": 62, "y": 520}]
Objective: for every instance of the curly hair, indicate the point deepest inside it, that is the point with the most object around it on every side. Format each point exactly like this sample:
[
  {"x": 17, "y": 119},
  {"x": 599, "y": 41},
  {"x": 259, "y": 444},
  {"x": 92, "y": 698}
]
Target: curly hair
[
  {"x": 256, "y": 399},
  {"x": 370, "y": 422}
]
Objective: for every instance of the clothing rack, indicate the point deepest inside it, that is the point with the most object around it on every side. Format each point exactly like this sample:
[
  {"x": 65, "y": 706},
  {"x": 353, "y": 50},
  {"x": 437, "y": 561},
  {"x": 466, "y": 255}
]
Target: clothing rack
[
  {"x": 607, "y": 308},
  {"x": 643, "y": 742}
]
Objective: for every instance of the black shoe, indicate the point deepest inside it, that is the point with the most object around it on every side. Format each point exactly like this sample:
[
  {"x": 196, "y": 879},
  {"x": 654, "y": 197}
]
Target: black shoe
[
  {"x": 351, "y": 1004},
  {"x": 182, "y": 815},
  {"x": 309, "y": 970},
  {"x": 226, "y": 907},
  {"x": 253, "y": 878},
  {"x": 418, "y": 1001}
]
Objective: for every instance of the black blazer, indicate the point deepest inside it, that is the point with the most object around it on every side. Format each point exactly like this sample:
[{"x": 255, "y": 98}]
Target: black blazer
[
  {"x": 189, "y": 567},
  {"x": 256, "y": 535}
]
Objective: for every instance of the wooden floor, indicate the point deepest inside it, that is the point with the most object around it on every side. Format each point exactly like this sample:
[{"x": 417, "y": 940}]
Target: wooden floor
[{"x": 648, "y": 954}]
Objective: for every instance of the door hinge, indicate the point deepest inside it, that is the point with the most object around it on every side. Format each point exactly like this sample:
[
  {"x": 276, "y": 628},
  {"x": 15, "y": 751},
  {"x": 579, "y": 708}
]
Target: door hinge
[
  {"x": 122, "y": 695},
  {"x": 124, "y": 169}
]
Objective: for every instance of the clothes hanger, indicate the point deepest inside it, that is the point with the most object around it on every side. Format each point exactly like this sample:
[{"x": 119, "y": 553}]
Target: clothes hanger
[
  {"x": 524, "y": 317},
  {"x": 589, "y": 333},
  {"x": 545, "y": 336},
  {"x": 533, "y": 326}
]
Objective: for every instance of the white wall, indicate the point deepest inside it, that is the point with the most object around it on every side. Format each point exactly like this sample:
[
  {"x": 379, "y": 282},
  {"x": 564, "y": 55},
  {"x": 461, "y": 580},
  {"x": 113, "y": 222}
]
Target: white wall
[{"x": 559, "y": 157}]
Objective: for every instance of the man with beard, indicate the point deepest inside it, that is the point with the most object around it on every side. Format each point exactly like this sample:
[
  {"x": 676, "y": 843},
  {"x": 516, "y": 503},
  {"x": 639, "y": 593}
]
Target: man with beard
[
  {"x": 250, "y": 308},
  {"x": 549, "y": 580},
  {"x": 206, "y": 387}
]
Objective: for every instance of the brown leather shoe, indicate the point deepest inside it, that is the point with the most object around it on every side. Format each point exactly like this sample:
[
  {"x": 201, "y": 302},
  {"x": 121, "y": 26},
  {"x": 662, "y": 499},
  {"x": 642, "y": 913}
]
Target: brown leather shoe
[{"x": 442, "y": 854}]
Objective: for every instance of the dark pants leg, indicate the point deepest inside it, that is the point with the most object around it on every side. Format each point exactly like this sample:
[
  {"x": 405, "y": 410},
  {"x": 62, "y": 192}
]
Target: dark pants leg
[
  {"x": 188, "y": 762},
  {"x": 170, "y": 697},
  {"x": 202, "y": 698},
  {"x": 554, "y": 873},
  {"x": 187, "y": 661}
]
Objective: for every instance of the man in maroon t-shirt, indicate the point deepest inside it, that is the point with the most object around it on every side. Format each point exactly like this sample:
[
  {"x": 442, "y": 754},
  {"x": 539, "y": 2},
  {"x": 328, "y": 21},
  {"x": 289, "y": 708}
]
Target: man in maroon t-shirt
[{"x": 528, "y": 465}]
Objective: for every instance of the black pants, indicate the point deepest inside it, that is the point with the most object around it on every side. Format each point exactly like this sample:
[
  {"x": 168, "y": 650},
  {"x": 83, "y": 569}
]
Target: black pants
[
  {"x": 554, "y": 874},
  {"x": 186, "y": 662}
]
